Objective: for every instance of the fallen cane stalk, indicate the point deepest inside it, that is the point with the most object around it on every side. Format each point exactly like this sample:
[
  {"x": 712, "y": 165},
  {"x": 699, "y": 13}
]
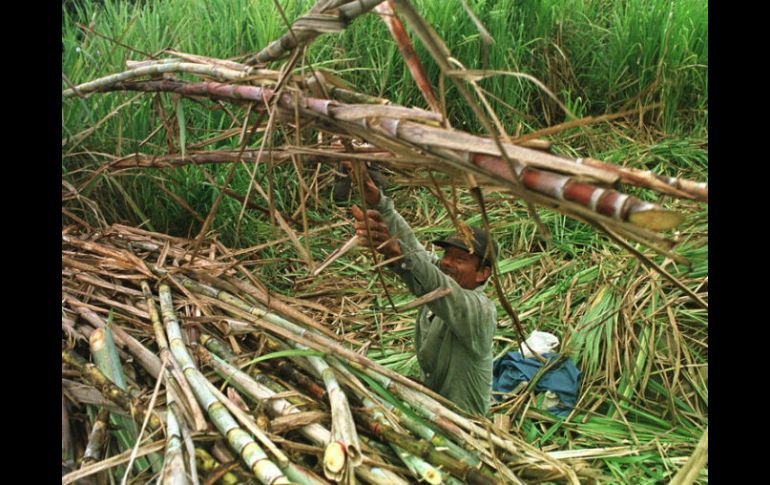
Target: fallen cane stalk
[
  {"x": 174, "y": 471},
  {"x": 295, "y": 473},
  {"x": 315, "y": 433},
  {"x": 344, "y": 441},
  {"x": 287, "y": 329},
  {"x": 419, "y": 467},
  {"x": 175, "y": 378},
  {"x": 240, "y": 441},
  {"x": 425, "y": 450}
]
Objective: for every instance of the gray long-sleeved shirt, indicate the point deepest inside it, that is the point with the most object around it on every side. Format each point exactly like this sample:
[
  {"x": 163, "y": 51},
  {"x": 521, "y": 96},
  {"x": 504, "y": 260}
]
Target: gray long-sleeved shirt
[{"x": 453, "y": 335}]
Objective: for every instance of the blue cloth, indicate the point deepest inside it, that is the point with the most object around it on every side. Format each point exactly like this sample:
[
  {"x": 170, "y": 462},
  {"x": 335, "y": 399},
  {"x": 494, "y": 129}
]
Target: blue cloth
[{"x": 512, "y": 368}]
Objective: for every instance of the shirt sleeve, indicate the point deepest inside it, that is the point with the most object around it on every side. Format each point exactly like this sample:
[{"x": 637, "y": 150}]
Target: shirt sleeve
[{"x": 470, "y": 315}]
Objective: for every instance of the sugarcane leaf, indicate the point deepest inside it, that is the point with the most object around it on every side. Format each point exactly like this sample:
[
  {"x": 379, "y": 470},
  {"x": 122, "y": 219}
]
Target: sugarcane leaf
[
  {"x": 547, "y": 435},
  {"x": 284, "y": 353},
  {"x": 182, "y": 126}
]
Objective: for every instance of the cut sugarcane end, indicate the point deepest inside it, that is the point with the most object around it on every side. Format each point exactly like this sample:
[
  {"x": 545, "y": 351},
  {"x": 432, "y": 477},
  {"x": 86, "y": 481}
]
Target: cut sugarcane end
[
  {"x": 656, "y": 220},
  {"x": 356, "y": 457},
  {"x": 97, "y": 339},
  {"x": 334, "y": 457},
  {"x": 432, "y": 476}
]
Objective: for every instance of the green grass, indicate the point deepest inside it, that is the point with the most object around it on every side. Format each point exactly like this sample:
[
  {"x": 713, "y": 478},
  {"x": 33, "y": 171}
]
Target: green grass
[{"x": 640, "y": 343}]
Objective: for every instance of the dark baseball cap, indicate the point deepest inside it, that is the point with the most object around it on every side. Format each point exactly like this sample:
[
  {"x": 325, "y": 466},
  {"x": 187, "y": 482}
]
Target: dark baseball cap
[{"x": 479, "y": 244}]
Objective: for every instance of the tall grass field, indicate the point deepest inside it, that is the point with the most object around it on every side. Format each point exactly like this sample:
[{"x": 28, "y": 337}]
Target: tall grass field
[{"x": 640, "y": 342}]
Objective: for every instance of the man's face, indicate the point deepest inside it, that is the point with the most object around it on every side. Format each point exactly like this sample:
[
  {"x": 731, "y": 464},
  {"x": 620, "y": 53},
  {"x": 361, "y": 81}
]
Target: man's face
[{"x": 463, "y": 267}]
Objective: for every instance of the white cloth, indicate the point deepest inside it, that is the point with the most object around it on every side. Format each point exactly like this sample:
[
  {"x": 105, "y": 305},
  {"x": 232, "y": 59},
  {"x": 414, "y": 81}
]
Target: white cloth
[{"x": 540, "y": 342}]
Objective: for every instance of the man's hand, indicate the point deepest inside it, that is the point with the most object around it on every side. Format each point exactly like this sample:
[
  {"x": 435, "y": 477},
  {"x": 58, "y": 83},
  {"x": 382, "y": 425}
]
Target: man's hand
[
  {"x": 379, "y": 236},
  {"x": 371, "y": 192}
]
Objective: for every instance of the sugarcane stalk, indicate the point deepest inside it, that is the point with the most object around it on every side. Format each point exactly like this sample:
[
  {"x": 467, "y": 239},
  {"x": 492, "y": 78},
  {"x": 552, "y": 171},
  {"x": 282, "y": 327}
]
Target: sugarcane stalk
[
  {"x": 293, "y": 472},
  {"x": 284, "y": 328},
  {"x": 315, "y": 433},
  {"x": 174, "y": 377},
  {"x": 147, "y": 359},
  {"x": 217, "y": 347},
  {"x": 96, "y": 439},
  {"x": 156, "y": 70},
  {"x": 661, "y": 183},
  {"x": 344, "y": 440},
  {"x": 419, "y": 468},
  {"x": 240, "y": 441},
  {"x": 174, "y": 470},
  {"x": 310, "y": 26},
  {"x": 468, "y": 151},
  {"x": 385, "y": 12},
  {"x": 208, "y": 464},
  {"x": 107, "y": 360},
  {"x": 451, "y": 423},
  {"x": 288, "y": 372},
  {"x": 427, "y": 433},
  {"x": 198, "y": 158},
  {"x": 425, "y": 450},
  {"x": 604, "y": 201},
  {"x": 273, "y": 304}
]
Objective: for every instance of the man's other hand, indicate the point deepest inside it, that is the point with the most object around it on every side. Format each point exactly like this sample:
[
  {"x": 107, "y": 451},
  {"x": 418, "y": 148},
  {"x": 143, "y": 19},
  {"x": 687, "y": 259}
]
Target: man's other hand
[
  {"x": 371, "y": 192},
  {"x": 378, "y": 234}
]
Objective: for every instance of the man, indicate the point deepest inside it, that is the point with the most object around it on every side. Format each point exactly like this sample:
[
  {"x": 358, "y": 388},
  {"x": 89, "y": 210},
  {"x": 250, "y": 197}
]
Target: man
[{"x": 453, "y": 334}]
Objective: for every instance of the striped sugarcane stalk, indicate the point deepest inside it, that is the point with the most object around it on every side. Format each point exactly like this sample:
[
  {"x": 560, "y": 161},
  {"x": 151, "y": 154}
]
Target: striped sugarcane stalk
[
  {"x": 207, "y": 464},
  {"x": 283, "y": 327},
  {"x": 310, "y": 26},
  {"x": 645, "y": 178},
  {"x": 216, "y": 346},
  {"x": 156, "y": 70},
  {"x": 177, "y": 384},
  {"x": 240, "y": 441},
  {"x": 344, "y": 440},
  {"x": 315, "y": 433},
  {"x": 292, "y": 471},
  {"x": 419, "y": 467},
  {"x": 607, "y": 202},
  {"x": 427, "y": 433},
  {"x": 468, "y": 152},
  {"x": 174, "y": 470},
  {"x": 107, "y": 360},
  {"x": 428, "y": 452}
]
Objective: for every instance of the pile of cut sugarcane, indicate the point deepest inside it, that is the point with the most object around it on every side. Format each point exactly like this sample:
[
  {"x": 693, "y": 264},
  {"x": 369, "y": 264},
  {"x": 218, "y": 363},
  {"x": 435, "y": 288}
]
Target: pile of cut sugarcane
[{"x": 188, "y": 370}]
